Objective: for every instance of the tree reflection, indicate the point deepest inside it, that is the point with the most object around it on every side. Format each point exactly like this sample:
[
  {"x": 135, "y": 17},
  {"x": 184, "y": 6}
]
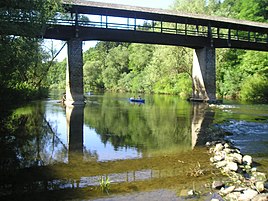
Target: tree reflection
[
  {"x": 161, "y": 124},
  {"x": 27, "y": 138}
]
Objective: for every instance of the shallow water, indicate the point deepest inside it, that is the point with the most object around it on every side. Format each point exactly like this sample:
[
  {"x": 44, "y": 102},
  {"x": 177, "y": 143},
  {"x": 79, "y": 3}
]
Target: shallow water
[{"x": 51, "y": 152}]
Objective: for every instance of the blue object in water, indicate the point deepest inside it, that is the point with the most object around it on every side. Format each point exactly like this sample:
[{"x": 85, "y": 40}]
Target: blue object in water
[{"x": 137, "y": 100}]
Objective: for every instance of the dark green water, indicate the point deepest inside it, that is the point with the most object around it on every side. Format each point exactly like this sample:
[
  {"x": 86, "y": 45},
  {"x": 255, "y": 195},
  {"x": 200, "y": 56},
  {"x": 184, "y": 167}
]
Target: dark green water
[{"x": 51, "y": 152}]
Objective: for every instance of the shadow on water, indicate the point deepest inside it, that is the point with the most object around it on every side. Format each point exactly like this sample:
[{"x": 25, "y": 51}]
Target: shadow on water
[{"x": 53, "y": 153}]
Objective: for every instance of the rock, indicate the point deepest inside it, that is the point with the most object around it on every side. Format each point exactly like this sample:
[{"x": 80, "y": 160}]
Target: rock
[
  {"x": 191, "y": 192},
  {"x": 212, "y": 160},
  {"x": 218, "y": 158},
  {"x": 221, "y": 164},
  {"x": 248, "y": 195},
  {"x": 233, "y": 196},
  {"x": 231, "y": 166},
  {"x": 217, "y": 184},
  {"x": 254, "y": 169},
  {"x": 218, "y": 147},
  {"x": 208, "y": 144},
  {"x": 236, "y": 157},
  {"x": 259, "y": 186},
  {"x": 261, "y": 197},
  {"x": 226, "y": 145},
  {"x": 247, "y": 159},
  {"x": 227, "y": 190},
  {"x": 259, "y": 176}
]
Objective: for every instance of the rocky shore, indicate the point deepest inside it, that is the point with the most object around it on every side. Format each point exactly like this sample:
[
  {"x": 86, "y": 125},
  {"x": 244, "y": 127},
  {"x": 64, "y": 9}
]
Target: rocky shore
[{"x": 242, "y": 181}]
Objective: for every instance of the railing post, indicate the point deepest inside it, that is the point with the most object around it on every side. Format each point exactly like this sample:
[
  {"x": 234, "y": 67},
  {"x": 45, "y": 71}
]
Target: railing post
[
  {"x": 106, "y": 23},
  {"x": 76, "y": 24},
  {"x": 229, "y": 37}
]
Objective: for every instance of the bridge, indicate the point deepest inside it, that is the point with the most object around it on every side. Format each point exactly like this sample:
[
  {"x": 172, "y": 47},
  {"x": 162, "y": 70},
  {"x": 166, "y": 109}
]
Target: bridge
[{"x": 97, "y": 21}]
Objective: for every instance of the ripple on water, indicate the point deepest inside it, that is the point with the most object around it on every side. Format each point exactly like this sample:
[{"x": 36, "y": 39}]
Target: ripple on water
[{"x": 250, "y": 137}]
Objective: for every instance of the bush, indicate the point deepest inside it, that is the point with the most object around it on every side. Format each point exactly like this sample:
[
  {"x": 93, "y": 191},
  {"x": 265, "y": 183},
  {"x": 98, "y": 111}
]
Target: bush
[{"x": 255, "y": 89}]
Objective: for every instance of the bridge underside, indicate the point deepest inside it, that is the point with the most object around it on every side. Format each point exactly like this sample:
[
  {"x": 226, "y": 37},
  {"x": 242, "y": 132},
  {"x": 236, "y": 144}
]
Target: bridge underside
[{"x": 102, "y": 34}]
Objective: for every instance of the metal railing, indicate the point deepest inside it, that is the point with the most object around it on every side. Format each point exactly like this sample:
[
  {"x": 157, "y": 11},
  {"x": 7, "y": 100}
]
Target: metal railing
[{"x": 154, "y": 27}]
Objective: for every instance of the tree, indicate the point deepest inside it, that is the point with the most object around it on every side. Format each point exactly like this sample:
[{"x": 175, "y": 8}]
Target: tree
[
  {"x": 116, "y": 64},
  {"x": 32, "y": 16},
  {"x": 24, "y": 64}
]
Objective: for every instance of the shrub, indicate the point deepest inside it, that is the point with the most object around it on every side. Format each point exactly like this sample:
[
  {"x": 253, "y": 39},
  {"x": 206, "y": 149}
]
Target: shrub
[{"x": 255, "y": 89}]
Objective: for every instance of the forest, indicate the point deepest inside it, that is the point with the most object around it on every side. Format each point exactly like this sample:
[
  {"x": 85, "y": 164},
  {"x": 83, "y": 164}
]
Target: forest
[{"x": 28, "y": 69}]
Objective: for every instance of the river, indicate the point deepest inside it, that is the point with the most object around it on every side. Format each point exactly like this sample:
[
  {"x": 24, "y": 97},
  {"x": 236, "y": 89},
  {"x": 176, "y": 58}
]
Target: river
[{"x": 52, "y": 152}]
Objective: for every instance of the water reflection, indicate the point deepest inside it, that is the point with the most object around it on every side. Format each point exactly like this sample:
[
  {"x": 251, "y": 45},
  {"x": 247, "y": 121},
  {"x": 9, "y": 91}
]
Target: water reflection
[
  {"x": 75, "y": 123},
  {"x": 115, "y": 129},
  {"x": 108, "y": 128},
  {"x": 202, "y": 119}
]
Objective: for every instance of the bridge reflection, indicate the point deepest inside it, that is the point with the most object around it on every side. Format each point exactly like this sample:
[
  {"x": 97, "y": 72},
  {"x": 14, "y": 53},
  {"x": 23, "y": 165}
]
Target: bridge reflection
[{"x": 201, "y": 118}]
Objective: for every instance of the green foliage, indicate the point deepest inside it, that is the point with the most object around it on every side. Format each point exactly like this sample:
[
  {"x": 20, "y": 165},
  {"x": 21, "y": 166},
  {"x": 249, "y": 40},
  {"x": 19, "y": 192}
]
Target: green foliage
[
  {"x": 56, "y": 76},
  {"x": 254, "y": 10},
  {"x": 105, "y": 185},
  {"x": 255, "y": 89},
  {"x": 24, "y": 64},
  {"x": 22, "y": 69},
  {"x": 33, "y": 13}
]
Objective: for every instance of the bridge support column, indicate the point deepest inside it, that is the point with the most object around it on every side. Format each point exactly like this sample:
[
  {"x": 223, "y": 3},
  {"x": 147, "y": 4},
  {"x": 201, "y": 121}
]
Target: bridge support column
[
  {"x": 74, "y": 73},
  {"x": 204, "y": 75}
]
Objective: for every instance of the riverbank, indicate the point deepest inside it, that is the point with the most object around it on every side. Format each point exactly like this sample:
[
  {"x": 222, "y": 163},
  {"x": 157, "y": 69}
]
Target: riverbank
[{"x": 242, "y": 179}]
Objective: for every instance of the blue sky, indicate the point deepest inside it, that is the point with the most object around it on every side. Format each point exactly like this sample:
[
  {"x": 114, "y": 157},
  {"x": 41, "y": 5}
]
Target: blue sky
[{"x": 164, "y": 4}]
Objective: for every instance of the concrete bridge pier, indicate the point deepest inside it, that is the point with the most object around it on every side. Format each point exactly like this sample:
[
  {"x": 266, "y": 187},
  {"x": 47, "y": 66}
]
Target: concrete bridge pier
[
  {"x": 204, "y": 75},
  {"x": 74, "y": 73}
]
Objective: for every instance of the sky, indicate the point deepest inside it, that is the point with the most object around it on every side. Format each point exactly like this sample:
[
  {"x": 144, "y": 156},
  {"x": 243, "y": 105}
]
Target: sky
[{"x": 164, "y": 4}]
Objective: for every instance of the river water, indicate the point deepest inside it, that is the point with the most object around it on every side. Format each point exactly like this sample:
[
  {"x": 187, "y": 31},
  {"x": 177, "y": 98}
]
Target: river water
[{"x": 51, "y": 152}]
